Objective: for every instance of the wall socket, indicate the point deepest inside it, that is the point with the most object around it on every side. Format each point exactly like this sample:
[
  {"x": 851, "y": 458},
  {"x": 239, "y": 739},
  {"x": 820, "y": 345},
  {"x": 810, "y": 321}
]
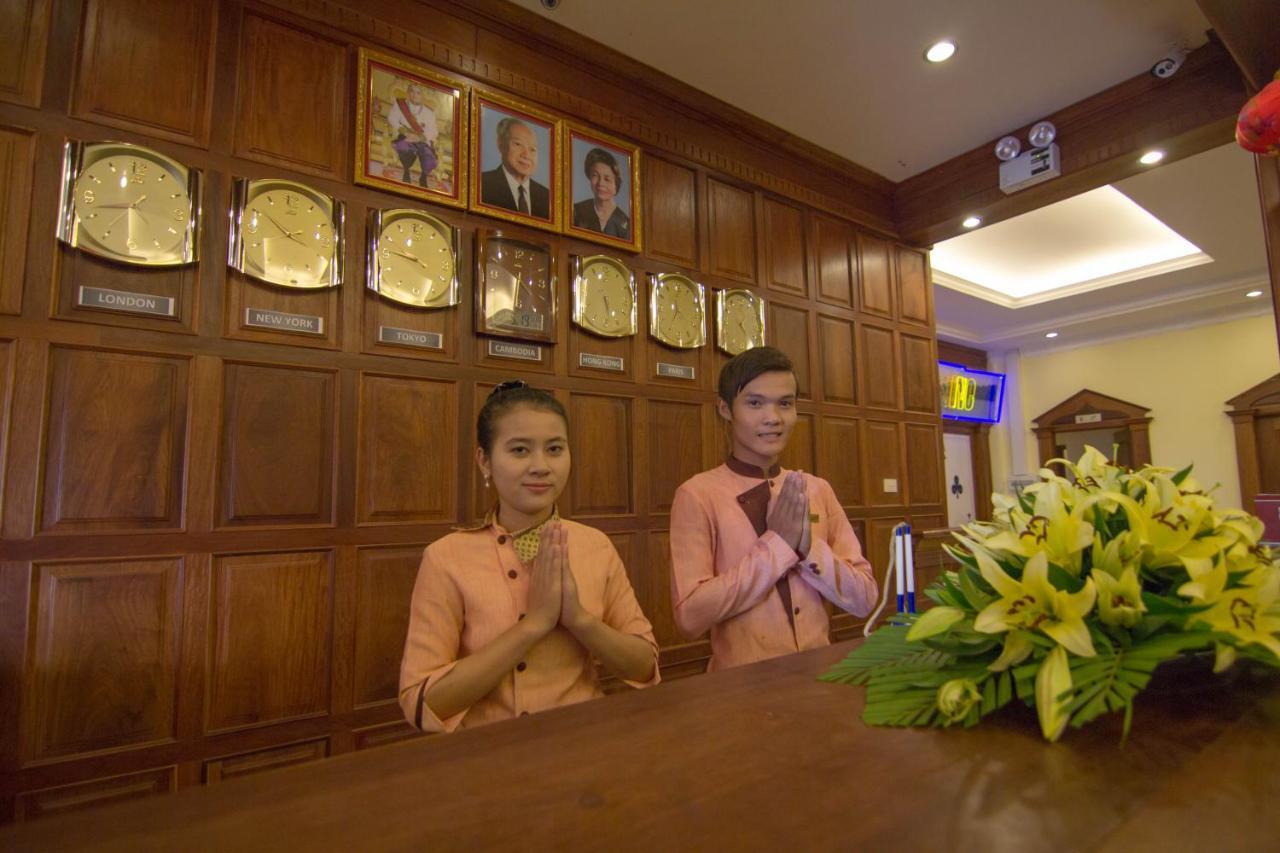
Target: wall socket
[{"x": 890, "y": 487}]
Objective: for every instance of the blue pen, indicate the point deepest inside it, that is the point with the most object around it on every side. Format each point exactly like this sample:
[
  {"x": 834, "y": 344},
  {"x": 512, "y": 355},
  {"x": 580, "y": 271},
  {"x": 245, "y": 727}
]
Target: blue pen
[{"x": 911, "y": 571}]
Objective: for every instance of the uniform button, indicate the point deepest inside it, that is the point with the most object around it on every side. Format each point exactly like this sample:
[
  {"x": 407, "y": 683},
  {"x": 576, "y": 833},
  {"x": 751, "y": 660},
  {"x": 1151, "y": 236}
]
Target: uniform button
[
  {"x": 521, "y": 616},
  {"x": 521, "y": 667},
  {"x": 502, "y": 540},
  {"x": 814, "y": 568},
  {"x": 797, "y": 611},
  {"x": 512, "y": 574}
]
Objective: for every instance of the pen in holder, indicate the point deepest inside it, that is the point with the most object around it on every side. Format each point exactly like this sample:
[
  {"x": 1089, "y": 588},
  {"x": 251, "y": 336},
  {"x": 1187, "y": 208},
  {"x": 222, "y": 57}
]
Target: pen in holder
[{"x": 902, "y": 570}]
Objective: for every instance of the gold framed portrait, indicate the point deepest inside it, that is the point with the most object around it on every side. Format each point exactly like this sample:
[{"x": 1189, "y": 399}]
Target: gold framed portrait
[
  {"x": 601, "y": 194},
  {"x": 515, "y": 161},
  {"x": 411, "y": 130}
]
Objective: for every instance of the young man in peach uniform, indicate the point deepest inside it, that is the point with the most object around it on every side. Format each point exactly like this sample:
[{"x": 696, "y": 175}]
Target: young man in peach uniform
[{"x": 754, "y": 548}]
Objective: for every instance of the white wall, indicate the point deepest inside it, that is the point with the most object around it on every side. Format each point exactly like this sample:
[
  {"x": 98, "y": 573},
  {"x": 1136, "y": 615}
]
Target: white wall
[{"x": 1184, "y": 376}]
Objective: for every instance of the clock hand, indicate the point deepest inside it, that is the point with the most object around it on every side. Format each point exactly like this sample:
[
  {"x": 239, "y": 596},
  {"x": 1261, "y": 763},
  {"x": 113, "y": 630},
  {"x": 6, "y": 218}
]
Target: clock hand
[
  {"x": 292, "y": 235},
  {"x": 413, "y": 258}
]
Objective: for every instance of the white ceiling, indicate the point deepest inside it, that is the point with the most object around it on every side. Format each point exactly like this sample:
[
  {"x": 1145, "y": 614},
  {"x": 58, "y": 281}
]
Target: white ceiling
[{"x": 818, "y": 68}]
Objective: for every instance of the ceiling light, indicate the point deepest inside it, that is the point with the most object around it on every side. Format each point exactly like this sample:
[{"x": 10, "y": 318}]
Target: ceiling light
[
  {"x": 972, "y": 222},
  {"x": 1042, "y": 134},
  {"x": 941, "y": 51},
  {"x": 1050, "y": 334},
  {"x": 1254, "y": 294},
  {"x": 1008, "y": 148},
  {"x": 1151, "y": 158}
]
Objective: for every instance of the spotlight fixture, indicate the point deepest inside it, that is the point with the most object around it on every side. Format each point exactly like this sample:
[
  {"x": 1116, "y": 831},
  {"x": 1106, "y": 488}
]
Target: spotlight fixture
[
  {"x": 1050, "y": 334},
  {"x": 1254, "y": 294},
  {"x": 1008, "y": 148},
  {"x": 940, "y": 51},
  {"x": 972, "y": 222},
  {"x": 1042, "y": 134},
  {"x": 1151, "y": 158}
]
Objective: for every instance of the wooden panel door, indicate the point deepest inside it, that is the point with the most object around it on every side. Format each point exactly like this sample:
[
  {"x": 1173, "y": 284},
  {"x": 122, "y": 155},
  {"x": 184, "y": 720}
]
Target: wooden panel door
[
  {"x": 876, "y": 276},
  {"x": 408, "y": 450},
  {"x": 275, "y": 123},
  {"x": 155, "y": 78},
  {"x": 731, "y": 228},
  {"x": 277, "y": 464},
  {"x": 784, "y": 248},
  {"x": 671, "y": 212},
  {"x": 115, "y": 442},
  {"x": 271, "y": 628},
  {"x": 104, "y": 655}
]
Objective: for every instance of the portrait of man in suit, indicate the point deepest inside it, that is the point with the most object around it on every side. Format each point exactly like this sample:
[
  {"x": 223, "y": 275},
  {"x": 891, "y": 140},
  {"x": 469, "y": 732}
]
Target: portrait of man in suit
[{"x": 511, "y": 184}]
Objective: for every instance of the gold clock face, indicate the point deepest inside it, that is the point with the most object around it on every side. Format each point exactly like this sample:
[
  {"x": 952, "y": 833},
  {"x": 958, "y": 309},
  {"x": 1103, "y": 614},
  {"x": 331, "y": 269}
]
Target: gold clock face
[
  {"x": 677, "y": 311},
  {"x": 289, "y": 234},
  {"x": 129, "y": 204},
  {"x": 604, "y": 297},
  {"x": 516, "y": 293},
  {"x": 414, "y": 259},
  {"x": 739, "y": 321}
]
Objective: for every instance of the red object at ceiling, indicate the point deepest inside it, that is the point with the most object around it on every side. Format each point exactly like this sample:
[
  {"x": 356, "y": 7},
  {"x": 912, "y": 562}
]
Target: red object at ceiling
[{"x": 1258, "y": 127}]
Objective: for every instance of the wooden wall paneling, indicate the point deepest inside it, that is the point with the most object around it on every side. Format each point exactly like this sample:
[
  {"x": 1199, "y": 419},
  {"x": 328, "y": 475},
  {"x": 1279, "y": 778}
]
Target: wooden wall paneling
[
  {"x": 731, "y": 231},
  {"x": 73, "y": 269},
  {"x": 882, "y": 463},
  {"x": 786, "y": 260},
  {"x": 962, "y": 355},
  {"x": 24, "y": 33},
  {"x": 146, "y": 66},
  {"x": 788, "y": 330},
  {"x": 835, "y": 265},
  {"x": 17, "y": 161},
  {"x": 839, "y": 458},
  {"x": 801, "y": 452},
  {"x": 405, "y": 332},
  {"x": 27, "y": 407},
  {"x": 103, "y": 656},
  {"x": 836, "y": 349},
  {"x": 653, "y": 591},
  {"x": 245, "y": 764},
  {"x": 924, "y": 473},
  {"x": 279, "y": 62},
  {"x": 7, "y": 359},
  {"x": 384, "y": 584},
  {"x": 919, "y": 374},
  {"x": 61, "y": 799},
  {"x": 582, "y": 343},
  {"x": 601, "y": 437},
  {"x": 875, "y": 276},
  {"x": 115, "y": 442},
  {"x": 382, "y": 734},
  {"x": 277, "y": 450},
  {"x": 671, "y": 211},
  {"x": 915, "y": 290},
  {"x": 876, "y": 547},
  {"x": 878, "y": 363},
  {"x": 674, "y": 433},
  {"x": 700, "y": 358},
  {"x": 930, "y": 560},
  {"x": 270, "y": 647},
  {"x": 244, "y": 293},
  {"x": 408, "y": 450}
]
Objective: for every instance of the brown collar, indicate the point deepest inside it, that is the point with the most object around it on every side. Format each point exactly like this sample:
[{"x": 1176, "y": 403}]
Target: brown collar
[{"x": 737, "y": 466}]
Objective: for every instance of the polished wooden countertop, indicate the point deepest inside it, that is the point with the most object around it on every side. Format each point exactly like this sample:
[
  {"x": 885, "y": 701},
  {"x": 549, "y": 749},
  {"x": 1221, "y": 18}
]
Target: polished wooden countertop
[{"x": 757, "y": 757}]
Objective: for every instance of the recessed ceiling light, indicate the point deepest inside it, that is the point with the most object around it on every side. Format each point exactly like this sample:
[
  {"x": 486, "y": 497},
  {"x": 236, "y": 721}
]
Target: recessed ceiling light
[
  {"x": 941, "y": 51},
  {"x": 1151, "y": 158},
  {"x": 972, "y": 222},
  {"x": 1254, "y": 294},
  {"x": 1050, "y": 334}
]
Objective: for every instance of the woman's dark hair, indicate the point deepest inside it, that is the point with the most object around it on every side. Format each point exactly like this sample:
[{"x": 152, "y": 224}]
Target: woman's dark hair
[
  {"x": 506, "y": 396},
  {"x": 746, "y": 366},
  {"x": 599, "y": 155}
]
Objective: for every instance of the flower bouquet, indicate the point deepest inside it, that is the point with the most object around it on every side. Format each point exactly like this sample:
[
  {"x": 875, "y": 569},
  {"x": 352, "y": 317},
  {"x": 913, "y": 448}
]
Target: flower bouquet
[{"x": 1071, "y": 598}]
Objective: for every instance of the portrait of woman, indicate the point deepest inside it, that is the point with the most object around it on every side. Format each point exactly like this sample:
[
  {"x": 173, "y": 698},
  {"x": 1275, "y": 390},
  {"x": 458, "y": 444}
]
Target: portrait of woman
[{"x": 603, "y": 189}]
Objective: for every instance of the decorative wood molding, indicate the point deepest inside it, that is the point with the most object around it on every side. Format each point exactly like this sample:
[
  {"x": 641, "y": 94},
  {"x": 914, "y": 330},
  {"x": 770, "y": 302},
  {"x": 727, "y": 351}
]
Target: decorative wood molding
[
  {"x": 872, "y": 191},
  {"x": 1265, "y": 393},
  {"x": 1101, "y": 138},
  {"x": 1085, "y": 402},
  {"x": 1247, "y": 29}
]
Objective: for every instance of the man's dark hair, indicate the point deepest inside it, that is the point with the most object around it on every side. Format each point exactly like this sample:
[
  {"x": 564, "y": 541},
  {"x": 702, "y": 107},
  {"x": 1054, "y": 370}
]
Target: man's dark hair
[
  {"x": 507, "y": 396},
  {"x": 746, "y": 366}
]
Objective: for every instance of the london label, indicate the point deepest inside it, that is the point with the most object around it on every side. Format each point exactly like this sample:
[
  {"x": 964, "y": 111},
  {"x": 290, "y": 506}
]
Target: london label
[
  {"x": 675, "y": 371},
  {"x": 410, "y": 338},
  {"x": 129, "y": 303},
  {"x": 600, "y": 362},
  {"x": 261, "y": 318},
  {"x": 523, "y": 352}
]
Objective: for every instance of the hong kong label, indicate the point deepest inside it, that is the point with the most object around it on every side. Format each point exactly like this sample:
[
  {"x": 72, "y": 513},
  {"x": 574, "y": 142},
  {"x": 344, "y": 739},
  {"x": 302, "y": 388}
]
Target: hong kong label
[{"x": 600, "y": 362}]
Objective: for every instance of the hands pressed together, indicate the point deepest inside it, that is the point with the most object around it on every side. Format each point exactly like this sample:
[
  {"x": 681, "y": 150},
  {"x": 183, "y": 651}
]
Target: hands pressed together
[
  {"x": 789, "y": 517},
  {"x": 553, "y": 592}
]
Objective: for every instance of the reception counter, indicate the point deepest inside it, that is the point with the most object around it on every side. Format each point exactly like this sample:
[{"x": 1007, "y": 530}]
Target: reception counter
[{"x": 758, "y": 757}]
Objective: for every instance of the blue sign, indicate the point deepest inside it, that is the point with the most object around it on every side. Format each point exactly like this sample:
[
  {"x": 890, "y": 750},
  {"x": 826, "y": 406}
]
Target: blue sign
[{"x": 970, "y": 395}]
